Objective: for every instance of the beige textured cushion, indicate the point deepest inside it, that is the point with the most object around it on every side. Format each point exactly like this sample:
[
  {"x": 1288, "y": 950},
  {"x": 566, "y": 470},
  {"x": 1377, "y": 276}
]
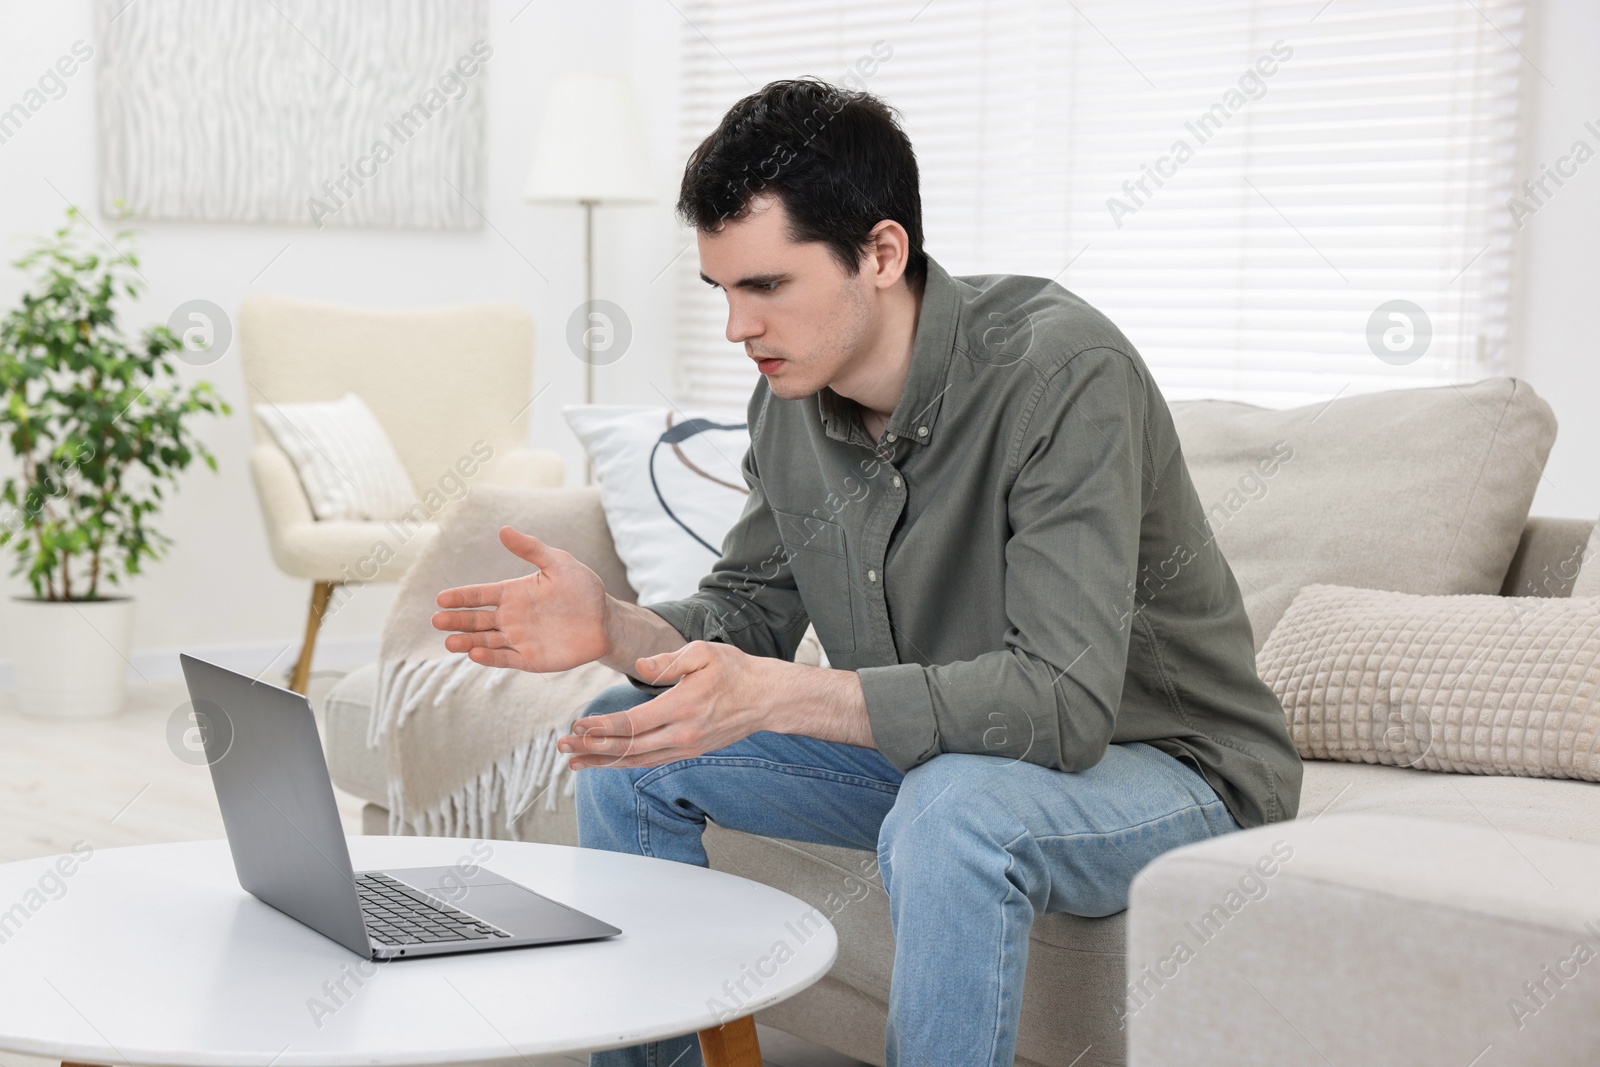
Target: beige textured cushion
[
  {"x": 1415, "y": 490},
  {"x": 1474, "y": 684}
]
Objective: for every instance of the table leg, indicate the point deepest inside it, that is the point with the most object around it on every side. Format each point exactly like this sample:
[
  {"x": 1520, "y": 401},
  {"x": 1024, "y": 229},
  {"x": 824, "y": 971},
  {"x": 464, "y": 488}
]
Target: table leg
[{"x": 733, "y": 1044}]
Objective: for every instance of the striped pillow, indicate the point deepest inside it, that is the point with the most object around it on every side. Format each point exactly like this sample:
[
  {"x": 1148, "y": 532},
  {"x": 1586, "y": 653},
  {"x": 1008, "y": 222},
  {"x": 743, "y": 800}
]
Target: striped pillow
[{"x": 347, "y": 464}]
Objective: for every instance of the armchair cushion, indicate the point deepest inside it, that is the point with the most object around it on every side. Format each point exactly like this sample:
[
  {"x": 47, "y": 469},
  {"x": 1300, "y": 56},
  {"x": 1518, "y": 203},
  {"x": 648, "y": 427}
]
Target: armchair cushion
[{"x": 347, "y": 465}]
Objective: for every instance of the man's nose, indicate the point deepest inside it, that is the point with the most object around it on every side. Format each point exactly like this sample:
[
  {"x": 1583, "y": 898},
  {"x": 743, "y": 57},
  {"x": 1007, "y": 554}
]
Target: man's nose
[{"x": 742, "y": 325}]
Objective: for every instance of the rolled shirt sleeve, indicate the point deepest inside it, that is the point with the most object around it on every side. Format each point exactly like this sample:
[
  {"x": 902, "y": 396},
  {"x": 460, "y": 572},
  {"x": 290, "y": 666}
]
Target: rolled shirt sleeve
[{"x": 1074, "y": 502}]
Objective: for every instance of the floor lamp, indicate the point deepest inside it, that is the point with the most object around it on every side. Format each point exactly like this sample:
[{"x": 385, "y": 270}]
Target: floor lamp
[{"x": 591, "y": 149}]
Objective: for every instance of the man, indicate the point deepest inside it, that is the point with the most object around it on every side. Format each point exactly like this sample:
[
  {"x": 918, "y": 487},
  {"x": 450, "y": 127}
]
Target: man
[{"x": 1042, "y": 676}]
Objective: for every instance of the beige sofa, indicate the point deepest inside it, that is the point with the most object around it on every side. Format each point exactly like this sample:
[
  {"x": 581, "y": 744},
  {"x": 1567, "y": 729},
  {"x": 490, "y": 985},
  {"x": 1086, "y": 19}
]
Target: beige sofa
[
  {"x": 1074, "y": 1002},
  {"x": 1076, "y": 971}
]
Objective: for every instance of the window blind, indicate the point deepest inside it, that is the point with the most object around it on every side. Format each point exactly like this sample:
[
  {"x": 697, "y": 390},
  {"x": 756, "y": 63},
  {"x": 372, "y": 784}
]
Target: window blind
[{"x": 1246, "y": 187}]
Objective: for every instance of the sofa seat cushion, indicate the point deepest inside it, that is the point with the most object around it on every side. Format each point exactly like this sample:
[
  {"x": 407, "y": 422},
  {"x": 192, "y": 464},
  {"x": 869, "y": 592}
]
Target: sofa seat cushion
[{"x": 1564, "y": 809}]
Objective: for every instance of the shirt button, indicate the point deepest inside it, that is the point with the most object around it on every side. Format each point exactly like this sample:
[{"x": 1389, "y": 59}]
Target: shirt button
[
  {"x": 922, "y": 431},
  {"x": 888, "y": 437},
  {"x": 897, "y": 481},
  {"x": 872, "y": 576}
]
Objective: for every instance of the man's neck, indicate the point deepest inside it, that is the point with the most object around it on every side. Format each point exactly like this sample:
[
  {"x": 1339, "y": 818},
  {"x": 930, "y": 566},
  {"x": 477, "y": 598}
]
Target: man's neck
[{"x": 881, "y": 377}]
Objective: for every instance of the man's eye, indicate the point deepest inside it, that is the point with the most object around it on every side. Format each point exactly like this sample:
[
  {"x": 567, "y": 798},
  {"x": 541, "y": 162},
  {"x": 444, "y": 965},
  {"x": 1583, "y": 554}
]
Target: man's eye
[{"x": 768, "y": 287}]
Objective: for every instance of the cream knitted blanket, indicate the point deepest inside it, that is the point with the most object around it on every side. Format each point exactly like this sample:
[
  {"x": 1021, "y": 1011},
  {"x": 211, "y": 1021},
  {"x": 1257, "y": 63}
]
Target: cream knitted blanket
[{"x": 470, "y": 747}]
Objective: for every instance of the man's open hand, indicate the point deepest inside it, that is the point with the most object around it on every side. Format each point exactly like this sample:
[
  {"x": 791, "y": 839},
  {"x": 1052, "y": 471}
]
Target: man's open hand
[{"x": 552, "y": 620}]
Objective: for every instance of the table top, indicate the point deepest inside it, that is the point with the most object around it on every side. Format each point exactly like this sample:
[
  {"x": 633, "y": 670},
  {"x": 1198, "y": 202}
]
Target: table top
[{"x": 153, "y": 955}]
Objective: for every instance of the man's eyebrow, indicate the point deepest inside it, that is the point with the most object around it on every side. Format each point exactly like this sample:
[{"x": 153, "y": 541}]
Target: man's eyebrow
[{"x": 752, "y": 282}]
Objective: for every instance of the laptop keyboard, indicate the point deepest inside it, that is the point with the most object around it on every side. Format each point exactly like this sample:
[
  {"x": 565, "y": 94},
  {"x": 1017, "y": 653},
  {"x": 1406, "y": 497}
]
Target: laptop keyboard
[{"x": 396, "y": 914}]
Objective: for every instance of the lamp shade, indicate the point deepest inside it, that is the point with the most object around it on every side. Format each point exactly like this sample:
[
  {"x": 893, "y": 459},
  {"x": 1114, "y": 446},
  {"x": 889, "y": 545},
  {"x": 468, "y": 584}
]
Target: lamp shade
[{"x": 591, "y": 144}]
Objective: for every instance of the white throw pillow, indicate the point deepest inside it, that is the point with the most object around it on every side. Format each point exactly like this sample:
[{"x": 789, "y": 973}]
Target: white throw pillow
[
  {"x": 347, "y": 464},
  {"x": 671, "y": 488}
]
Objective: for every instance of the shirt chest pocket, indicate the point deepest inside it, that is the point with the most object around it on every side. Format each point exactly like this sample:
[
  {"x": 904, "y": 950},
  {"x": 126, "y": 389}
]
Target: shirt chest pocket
[{"x": 821, "y": 568}]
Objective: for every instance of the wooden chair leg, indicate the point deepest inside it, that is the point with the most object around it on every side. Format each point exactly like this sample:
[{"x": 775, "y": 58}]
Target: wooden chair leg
[
  {"x": 733, "y": 1044},
  {"x": 321, "y": 593}
]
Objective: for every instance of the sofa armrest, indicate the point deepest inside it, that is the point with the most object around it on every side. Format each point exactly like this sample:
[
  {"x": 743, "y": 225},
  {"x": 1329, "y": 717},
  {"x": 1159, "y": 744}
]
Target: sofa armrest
[
  {"x": 1549, "y": 555},
  {"x": 1371, "y": 939},
  {"x": 526, "y": 467},
  {"x": 572, "y": 520}
]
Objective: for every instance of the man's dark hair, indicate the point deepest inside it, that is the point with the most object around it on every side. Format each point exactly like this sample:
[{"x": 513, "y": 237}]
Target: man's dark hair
[{"x": 837, "y": 158}]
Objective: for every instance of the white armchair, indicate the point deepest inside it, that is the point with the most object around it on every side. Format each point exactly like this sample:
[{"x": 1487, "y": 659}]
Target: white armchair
[{"x": 451, "y": 386}]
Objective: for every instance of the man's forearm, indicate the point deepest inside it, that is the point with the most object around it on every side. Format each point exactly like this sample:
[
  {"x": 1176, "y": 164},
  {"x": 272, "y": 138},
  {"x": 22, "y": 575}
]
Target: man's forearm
[
  {"x": 823, "y": 703},
  {"x": 635, "y": 633}
]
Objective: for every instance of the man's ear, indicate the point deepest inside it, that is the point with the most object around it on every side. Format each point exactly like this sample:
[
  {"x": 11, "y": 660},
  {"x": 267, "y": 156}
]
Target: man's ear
[{"x": 886, "y": 257}]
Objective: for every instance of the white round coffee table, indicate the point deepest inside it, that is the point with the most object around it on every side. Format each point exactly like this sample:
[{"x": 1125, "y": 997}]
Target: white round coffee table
[{"x": 154, "y": 956}]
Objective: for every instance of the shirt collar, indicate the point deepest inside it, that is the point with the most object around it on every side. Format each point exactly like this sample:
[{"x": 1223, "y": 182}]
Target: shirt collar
[{"x": 916, "y": 415}]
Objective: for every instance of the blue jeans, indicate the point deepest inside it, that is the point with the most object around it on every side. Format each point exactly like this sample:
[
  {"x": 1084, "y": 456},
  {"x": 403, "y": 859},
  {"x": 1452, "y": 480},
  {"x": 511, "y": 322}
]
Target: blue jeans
[{"x": 970, "y": 849}]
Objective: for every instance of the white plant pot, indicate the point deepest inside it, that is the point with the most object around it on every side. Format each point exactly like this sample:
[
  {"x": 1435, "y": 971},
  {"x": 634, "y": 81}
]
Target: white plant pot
[{"x": 69, "y": 659}]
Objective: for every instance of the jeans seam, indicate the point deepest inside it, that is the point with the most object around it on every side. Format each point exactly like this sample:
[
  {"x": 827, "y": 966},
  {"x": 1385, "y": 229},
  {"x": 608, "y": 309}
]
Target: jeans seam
[
  {"x": 1136, "y": 826},
  {"x": 999, "y": 1009},
  {"x": 797, "y": 770},
  {"x": 641, "y": 819}
]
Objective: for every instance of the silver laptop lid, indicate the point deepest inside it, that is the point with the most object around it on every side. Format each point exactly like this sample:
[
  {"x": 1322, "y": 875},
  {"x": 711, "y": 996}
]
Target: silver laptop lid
[{"x": 277, "y": 800}]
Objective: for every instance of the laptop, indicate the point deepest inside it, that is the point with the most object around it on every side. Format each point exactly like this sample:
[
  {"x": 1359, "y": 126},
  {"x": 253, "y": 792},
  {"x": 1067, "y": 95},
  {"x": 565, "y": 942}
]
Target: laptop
[{"x": 289, "y": 850}]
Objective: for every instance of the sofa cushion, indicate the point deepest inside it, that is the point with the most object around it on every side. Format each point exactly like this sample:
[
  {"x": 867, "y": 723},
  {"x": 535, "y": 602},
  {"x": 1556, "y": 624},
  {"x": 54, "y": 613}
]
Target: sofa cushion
[
  {"x": 671, "y": 487},
  {"x": 1414, "y": 490},
  {"x": 1479, "y": 684},
  {"x": 1564, "y": 809}
]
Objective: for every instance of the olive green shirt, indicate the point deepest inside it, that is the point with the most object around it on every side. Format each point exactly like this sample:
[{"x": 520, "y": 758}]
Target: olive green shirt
[{"x": 1018, "y": 567}]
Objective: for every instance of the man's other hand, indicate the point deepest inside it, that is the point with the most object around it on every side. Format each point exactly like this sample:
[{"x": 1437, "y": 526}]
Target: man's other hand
[
  {"x": 721, "y": 695},
  {"x": 551, "y": 620}
]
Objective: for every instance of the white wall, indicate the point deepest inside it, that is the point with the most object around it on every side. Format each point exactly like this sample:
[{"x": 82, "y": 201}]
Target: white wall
[
  {"x": 218, "y": 586},
  {"x": 1560, "y": 255}
]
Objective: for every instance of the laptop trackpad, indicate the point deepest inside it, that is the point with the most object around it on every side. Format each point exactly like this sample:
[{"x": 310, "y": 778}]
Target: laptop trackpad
[
  {"x": 523, "y": 913},
  {"x": 517, "y": 910}
]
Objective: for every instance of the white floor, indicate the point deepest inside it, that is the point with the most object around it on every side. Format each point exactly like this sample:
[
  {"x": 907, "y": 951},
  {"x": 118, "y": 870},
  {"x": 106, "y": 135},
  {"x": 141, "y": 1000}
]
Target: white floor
[{"x": 117, "y": 781}]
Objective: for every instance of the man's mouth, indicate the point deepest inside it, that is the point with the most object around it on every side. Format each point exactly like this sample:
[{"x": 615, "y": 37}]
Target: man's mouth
[{"x": 767, "y": 364}]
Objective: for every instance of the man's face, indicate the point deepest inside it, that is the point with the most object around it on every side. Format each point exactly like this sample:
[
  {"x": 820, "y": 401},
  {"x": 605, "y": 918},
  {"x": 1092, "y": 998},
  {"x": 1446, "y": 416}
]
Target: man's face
[{"x": 803, "y": 320}]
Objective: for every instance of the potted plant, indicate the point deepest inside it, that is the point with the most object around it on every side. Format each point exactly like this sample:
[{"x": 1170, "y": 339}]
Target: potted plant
[{"x": 96, "y": 428}]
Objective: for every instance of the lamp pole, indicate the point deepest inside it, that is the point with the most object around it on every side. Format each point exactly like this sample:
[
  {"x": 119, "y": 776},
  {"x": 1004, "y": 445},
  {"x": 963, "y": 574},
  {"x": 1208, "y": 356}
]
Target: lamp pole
[
  {"x": 588, "y": 298},
  {"x": 588, "y": 337}
]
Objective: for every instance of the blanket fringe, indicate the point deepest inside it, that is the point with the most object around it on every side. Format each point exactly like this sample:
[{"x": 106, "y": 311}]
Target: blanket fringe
[{"x": 512, "y": 784}]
